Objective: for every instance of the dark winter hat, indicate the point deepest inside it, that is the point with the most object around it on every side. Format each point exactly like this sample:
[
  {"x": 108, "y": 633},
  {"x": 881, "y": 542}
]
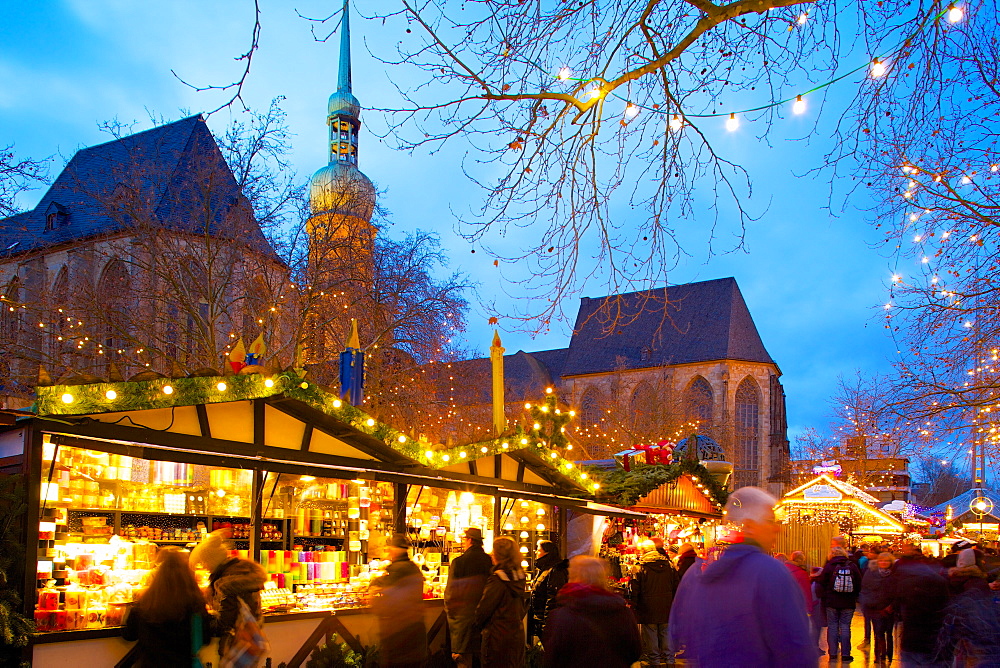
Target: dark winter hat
[
  {"x": 400, "y": 541},
  {"x": 474, "y": 533}
]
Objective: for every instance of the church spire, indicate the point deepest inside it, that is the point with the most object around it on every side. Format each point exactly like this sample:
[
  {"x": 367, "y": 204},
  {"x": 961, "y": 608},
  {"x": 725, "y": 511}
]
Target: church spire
[
  {"x": 340, "y": 186},
  {"x": 344, "y": 75}
]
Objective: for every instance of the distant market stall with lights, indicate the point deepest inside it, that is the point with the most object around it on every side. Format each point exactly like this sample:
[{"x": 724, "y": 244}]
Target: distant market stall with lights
[{"x": 824, "y": 507}]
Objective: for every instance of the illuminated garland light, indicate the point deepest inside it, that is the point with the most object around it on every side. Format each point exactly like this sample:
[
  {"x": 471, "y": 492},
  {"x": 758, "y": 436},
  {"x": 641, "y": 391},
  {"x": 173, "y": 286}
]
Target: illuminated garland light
[{"x": 141, "y": 395}]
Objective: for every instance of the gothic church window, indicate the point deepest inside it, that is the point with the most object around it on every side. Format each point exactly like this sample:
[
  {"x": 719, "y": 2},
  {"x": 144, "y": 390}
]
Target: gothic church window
[
  {"x": 747, "y": 433},
  {"x": 115, "y": 291},
  {"x": 642, "y": 406},
  {"x": 591, "y": 410},
  {"x": 699, "y": 400},
  {"x": 9, "y": 316}
]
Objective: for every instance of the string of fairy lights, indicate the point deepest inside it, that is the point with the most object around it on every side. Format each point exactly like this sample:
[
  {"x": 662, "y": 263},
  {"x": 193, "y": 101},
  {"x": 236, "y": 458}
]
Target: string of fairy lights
[{"x": 877, "y": 67}]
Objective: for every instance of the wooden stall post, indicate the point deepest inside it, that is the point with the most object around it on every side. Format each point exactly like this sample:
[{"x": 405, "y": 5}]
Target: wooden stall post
[{"x": 257, "y": 494}]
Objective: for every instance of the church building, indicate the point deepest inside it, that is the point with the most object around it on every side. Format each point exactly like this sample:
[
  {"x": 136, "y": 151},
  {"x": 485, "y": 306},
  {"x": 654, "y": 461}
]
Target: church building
[{"x": 644, "y": 367}]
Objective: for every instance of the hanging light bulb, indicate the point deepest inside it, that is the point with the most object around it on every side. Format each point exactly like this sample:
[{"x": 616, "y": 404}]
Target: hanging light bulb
[
  {"x": 955, "y": 14},
  {"x": 732, "y": 123},
  {"x": 799, "y": 107},
  {"x": 803, "y": 17},
  {"x": 631, "y": 111},
  {"x": 878, "y": 68},
  {"x": 565, "y": 73},
  {"x": 676, "y": 122}
]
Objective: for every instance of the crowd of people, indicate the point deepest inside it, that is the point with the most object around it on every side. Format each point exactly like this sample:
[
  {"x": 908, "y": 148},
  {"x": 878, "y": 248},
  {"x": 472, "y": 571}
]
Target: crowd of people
[{"x": 737, "y": 606}]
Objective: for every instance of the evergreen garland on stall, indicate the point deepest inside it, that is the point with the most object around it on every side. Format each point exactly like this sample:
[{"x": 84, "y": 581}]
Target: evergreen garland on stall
[{"x": 625, "y": 488}]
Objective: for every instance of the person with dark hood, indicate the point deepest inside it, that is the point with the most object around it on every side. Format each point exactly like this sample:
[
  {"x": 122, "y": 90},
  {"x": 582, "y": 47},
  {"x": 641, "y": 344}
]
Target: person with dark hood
[
  {"x": 551, "y": 573},
  {"x": 687, "y": 558},
  {"x": 652, "y": 594},
  {"x": 744, "y": 609},
  {"x": 398, "y": 608},
  {"x": 590, "y": 625},
  {"x": 466, "y": 581},
  {"x": 230, "y": 580},
  {"x": 920, "y": 595},
  {"x": 500, "y": 613},
  {"x": 170, "y": 622},
  {"x": 876, "y": 604},
  {"x": 839, "y": 586}
]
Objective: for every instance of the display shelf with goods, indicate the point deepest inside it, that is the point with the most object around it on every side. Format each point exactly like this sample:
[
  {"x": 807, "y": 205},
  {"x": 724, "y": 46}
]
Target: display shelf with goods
[{"x": 528, "y": 522}]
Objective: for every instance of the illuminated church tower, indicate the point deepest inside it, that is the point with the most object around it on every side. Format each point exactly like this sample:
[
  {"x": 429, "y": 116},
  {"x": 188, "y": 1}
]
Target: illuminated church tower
[
  {"x": 341, "y": 198},
  {"x": 341, "y": 234}
]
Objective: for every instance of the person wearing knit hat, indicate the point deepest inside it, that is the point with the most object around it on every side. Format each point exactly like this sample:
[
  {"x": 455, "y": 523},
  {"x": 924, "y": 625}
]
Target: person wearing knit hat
[
  {"x": 967, "y": 575},
  {"x": 231, "y": 579},
  {"x": 211, "y": 551}
]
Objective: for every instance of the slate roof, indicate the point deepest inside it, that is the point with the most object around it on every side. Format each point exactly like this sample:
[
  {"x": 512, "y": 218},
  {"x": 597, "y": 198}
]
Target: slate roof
[
  {"x": 526, "y": 375},
  {"x": 679, "y": 324},
  {"x": 173, "y": 174}
]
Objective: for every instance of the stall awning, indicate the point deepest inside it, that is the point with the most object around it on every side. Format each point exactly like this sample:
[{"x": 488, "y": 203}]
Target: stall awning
[{"x": 610, "y": 511}]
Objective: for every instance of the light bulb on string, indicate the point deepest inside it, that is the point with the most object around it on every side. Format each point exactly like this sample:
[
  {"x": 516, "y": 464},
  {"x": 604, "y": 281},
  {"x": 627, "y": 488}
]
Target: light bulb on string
[
  {"x": 564, "y": 73},
  {"x": 676, "y": 122},
  {"x": 878, "y": 68},
  {"x": 631, "y": 111},
  {"x": 732, "y": 123},
  {"x": 799, "y": 106},
  {"x": 955, "y": 14}
]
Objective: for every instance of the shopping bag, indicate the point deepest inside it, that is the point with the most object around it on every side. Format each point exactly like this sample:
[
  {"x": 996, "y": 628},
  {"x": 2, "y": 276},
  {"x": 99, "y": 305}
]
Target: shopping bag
[{"x": 247, "y": 642}]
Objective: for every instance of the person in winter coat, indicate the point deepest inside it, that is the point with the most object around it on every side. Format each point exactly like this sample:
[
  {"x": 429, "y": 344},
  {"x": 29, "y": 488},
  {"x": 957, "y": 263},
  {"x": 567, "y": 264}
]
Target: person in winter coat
[
  {"x": 966, "y": 574},
  {"x": 502, "y": 608},
  {"x": 170, "y": 622},
  {"x": 466, "y": 581},
  {"x": 743, "y": 609},
  {"x": 840, "y": 586},
  {"x": 231, "y": 579},
  {"x": 970, "y": 630},
  {"x": 652, "y": 594},
  {"x": 687, "y": 558},
  {"x": 397, "y": 606},
  {"x": 590, "y": 625},
  {"x": 551, "y": 573},
  {"x": 920, "y": 595},
  {"x": 876, "y": 604},
  {"x": 800, "y": 573}
]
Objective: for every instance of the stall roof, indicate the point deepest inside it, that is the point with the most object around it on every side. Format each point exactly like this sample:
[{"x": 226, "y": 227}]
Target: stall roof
[
  {"x": 682, "y": 497},
  {"x": 284, "y": 418},
  {"x": 825, "y": 489},
  {"x": 961, "y": 505}
]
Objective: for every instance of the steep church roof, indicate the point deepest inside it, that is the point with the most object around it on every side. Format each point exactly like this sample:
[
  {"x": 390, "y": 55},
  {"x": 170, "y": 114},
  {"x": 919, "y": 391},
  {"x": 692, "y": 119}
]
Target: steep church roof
[
  {"x": 171, "y": 175},
  {"x": 679, "y": 324},
  {"x": 526, "y": 375}
]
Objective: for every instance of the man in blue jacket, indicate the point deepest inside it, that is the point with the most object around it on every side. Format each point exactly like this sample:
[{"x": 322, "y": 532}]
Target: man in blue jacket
[{"x": 743, "y": 609}]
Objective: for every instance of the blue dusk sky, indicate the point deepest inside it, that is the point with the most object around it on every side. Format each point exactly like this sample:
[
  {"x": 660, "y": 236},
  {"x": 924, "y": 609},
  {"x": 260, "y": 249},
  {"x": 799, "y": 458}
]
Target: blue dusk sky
[{"x": 812, "y": 281}]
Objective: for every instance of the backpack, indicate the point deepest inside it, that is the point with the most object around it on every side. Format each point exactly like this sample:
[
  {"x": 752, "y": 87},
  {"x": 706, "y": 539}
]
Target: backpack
[{"x": 843, "y": 581}]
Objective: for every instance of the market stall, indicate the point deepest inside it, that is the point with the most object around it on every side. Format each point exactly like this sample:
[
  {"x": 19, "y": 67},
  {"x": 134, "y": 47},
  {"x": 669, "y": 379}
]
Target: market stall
[
  {"x": 813, "y": 513},
  {"x": 308, "y": 485}
]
